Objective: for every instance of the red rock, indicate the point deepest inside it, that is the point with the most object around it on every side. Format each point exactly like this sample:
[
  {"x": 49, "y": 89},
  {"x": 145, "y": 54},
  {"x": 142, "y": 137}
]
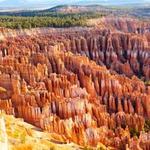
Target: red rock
[{"x": 61, "y": 82}]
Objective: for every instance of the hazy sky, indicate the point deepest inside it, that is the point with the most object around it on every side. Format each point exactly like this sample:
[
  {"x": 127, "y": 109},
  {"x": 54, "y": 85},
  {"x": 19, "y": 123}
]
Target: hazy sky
[{"x": 50, "y": 3}]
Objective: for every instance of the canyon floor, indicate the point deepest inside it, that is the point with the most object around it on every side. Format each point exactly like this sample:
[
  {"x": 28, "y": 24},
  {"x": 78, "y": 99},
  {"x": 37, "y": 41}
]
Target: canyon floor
[{"x": 76, "y": 88}]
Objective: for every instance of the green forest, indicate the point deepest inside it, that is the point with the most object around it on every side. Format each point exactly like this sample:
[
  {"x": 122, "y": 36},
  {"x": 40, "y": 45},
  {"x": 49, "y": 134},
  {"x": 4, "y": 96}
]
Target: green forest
[{"x": 27, "y": 21}]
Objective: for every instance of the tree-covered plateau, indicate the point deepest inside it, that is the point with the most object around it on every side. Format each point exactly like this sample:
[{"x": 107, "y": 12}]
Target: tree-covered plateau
[{"x": 55, "y": 20}]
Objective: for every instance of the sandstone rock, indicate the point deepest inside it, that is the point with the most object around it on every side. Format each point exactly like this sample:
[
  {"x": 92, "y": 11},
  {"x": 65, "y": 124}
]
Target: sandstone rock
[{"x": 62, "y": 83}]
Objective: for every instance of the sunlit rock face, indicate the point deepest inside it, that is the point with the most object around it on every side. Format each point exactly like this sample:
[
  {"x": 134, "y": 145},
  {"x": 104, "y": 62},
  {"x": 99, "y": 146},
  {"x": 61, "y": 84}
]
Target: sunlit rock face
[{"x": 84, "y": 84}]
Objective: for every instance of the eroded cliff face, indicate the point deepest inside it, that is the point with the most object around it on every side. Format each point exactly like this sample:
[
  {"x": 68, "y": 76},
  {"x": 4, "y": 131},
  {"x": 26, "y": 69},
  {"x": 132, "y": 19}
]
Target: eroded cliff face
[
  {"x": 83, "y": 84},
  {"x": 122, "y": 24}
]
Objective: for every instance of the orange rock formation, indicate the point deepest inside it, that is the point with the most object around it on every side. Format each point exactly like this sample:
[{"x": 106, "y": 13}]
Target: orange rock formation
[{"x": 82, "y": 84}]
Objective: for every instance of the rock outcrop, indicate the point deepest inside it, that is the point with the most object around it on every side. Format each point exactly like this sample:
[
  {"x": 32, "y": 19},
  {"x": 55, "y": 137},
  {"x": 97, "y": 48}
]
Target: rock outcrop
[{"x": 83, "y": 85}]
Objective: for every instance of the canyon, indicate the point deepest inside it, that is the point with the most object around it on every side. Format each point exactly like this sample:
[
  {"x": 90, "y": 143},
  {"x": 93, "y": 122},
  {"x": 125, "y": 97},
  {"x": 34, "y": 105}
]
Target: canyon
[{"x": 88, "y": 85}]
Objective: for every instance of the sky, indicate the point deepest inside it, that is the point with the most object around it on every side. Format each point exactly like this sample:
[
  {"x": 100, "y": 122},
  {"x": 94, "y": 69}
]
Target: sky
[{"x": 51, "y": 3}]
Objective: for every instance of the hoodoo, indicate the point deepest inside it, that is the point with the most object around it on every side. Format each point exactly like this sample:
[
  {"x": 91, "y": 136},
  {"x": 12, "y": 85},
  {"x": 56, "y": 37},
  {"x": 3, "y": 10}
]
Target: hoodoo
[{"x": 81, "y": 84}]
